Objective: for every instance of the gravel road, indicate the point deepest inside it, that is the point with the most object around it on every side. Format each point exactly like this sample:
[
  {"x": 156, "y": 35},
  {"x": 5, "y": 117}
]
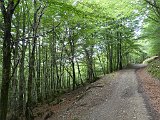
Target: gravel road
[
  {"x": 116, "y": 98},
  {"x": 125, "y": 102}
]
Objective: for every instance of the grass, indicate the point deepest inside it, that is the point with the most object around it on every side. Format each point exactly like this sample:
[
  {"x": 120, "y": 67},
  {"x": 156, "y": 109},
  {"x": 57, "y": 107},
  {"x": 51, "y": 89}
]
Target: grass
[{"x": 154, "y": 68}]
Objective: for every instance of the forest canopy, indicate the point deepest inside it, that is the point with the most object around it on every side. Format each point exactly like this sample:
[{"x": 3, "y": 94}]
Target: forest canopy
[{"x": 50, "y": 47}]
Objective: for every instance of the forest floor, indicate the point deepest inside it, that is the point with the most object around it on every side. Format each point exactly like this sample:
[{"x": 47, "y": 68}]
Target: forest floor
[{"x": 128, "y": 94}]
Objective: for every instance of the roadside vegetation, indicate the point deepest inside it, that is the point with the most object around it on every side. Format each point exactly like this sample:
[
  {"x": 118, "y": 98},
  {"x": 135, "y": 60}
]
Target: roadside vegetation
[
  {"x": 154, "y": 68},
  {"x": 50, "y": 47}
]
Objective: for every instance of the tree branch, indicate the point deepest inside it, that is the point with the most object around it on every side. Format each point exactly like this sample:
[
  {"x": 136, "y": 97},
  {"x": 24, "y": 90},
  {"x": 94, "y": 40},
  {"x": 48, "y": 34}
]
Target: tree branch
[
  {"x": 40, "y": 35},
  {"x": 153, "y": 19},
  {"x": 3, "y": 9},
  {"x": 152, "y": 4},
  {"x": 16, "y": 4},
  {"x": 40, "y": 16}
]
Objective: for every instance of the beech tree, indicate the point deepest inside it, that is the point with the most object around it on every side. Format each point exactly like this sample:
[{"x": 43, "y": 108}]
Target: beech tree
[
  {"x": 151, "y": 30},
  {"x": 7, "y": 10}
]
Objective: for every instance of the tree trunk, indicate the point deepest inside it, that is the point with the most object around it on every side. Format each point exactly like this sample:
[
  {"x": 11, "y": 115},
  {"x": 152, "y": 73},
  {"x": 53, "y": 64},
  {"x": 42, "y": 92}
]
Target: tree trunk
[
  {"x": 15, "y": 70},
  {"x": 6, "y": 76},
  {"x": 6, "y": 70},
  {"x": 31, "y": 75},
  {"x": 38, "y": 82},
  {"x": 89, "y": 60},
  {"x": 72, "y": 47},
  {"x": 120, "y": 52},
  {"x": 111, "y": 57}
]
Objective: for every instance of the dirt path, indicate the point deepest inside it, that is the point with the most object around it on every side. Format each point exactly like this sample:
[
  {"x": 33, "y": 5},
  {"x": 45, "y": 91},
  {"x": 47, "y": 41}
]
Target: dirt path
[
  {"x": 116, "y": 98},
  {"x": 124, "y": 104}
]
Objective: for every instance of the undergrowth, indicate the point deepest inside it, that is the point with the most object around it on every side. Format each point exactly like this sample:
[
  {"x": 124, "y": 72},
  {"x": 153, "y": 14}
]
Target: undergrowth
[{"x": 154, "y": 68}]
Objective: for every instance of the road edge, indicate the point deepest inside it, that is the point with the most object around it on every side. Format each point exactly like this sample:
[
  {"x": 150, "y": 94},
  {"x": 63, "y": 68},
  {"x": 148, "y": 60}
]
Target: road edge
[{"x": 154, "y": 115}]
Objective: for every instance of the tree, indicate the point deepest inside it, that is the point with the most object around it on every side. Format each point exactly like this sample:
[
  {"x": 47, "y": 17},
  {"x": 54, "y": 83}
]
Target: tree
[
  {"x": 57, "y": 46},
  {"x": 7, "y": 12},
  {"x": 152, "y": 27}
]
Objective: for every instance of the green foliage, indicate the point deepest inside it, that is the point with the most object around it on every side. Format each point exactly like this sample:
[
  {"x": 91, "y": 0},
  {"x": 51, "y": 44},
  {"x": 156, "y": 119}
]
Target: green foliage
[
  {"x": 152, "y": 27},
  {"x": 70, "y": 43},
  {"x": 154, "y": 68},
  {"x": 151, "y": 32}
]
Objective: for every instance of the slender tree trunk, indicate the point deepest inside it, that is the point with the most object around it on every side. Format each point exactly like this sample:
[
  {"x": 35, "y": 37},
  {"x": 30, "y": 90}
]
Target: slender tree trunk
[
  {"x": 72, "y": 47},
  {"x": 22, "y": 80},
  {"x": 46, "y": 74},
  {"x": 38, "y": 85},
  {"x": 53, "y": 58},
  {"x": 79, "y": 72},
  {"x": 31, "y": 75},
  {"x": 107, "y": 55},
  {"x": 21, "y": 67},
  {"x": 89, "y": 60},
  {"x": 14, "y": 101},
  {"x": 120, "y": 52},
  {"x": 101, "y": 64},
  {"x": 111, "y": 57}
]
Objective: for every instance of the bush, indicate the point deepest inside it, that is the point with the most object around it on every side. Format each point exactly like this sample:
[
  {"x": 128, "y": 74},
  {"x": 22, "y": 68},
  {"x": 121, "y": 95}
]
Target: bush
[{"x": 154, "y": 68}]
